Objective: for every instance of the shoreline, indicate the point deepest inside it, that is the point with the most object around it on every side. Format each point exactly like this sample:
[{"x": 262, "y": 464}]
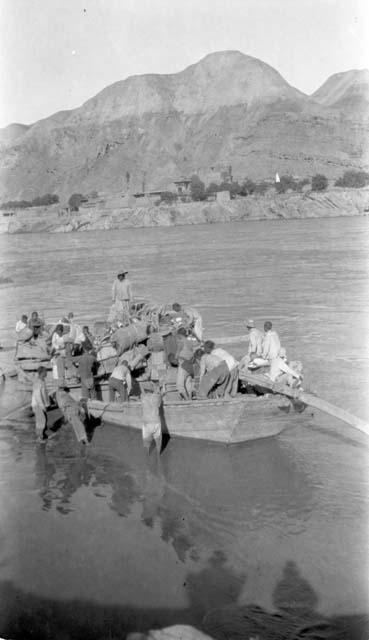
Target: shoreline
[{"x": 108, "y": 215}]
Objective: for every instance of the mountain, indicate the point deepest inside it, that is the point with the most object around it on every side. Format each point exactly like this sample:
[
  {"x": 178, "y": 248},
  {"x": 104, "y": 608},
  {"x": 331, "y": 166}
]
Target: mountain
[
  {"x": 228, "y": 109},
  {"x": 348, "y": 91},
  {"x": 13, "y": 131}
]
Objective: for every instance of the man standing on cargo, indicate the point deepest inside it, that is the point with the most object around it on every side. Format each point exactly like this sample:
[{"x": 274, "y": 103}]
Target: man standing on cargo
[{"x": 122, "y": 291}]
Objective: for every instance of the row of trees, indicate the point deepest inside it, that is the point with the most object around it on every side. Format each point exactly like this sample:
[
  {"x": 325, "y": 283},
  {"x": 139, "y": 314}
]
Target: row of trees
[
  {"x": 319, "y": 182},
  {"x": 350, "y": 179},
  {"x": 40, "y": 201},
  {"x": 353, "y": 179},
  {"x": 249, "y": 187}
]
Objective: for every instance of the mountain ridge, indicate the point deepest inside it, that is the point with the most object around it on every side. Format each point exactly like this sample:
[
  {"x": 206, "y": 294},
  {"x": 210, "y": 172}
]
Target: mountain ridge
[{"x": 228, "y": 108}]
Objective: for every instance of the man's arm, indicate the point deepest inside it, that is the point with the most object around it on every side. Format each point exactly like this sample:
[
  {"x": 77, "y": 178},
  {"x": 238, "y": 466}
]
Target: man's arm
[
  {"x": 266, "y": 346},
  {"x": 129, "y": 291},
  {"x": 45, "y": 395},
  {"x": 129, "y": 382},
  {"x": 202, "y": 367},
  {"x": 252, "y": 344},
  {"x": 113, "y": 291}
]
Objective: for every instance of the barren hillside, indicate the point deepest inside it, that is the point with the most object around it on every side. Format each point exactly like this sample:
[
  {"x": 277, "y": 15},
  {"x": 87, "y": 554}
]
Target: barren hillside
[{"x": 229, "y": 109}]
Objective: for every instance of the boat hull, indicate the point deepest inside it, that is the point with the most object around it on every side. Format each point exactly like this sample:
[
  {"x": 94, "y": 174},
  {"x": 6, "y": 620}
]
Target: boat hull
[{"x": 227, "y": 421}]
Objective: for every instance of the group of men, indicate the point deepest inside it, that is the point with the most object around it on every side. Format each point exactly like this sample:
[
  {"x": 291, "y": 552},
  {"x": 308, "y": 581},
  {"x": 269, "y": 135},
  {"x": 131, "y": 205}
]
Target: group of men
[
  {"x": 181, "y": 345},
  {"x": 219, "y": 370},
  {"x": 28, "y": 328},
  {"x": 69, "y": 345}
]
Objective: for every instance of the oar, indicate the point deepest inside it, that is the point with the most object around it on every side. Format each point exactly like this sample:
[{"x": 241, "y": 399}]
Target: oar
[
  {"x": 15, "y": 411},
  {"x": 307, "y": 398},
  {"x": 331, "y": 409},
  {"x": 231, "y": 339}
]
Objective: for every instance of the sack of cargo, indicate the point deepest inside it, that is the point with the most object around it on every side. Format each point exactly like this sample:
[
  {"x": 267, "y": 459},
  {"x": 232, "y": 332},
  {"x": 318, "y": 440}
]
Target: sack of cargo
[
  {"x": 118, "y": 313},
  {"x": 25, "y": 334},
  {"x": 135, "y": 356},
  {"x": 124, "y": 338},
  {"x": 29, "y": 350},
  {"x": 107, "y": 358}
]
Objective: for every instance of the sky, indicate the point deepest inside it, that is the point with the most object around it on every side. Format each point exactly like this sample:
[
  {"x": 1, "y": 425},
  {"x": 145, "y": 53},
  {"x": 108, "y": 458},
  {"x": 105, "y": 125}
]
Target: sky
[{"x": 56, "y": 54}]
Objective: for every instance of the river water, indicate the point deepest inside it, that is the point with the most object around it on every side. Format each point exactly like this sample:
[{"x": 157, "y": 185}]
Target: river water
[{"x": 98, "y": 542}]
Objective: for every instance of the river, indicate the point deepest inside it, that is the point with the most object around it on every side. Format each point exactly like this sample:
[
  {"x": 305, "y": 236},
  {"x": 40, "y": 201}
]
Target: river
[{"x": 96, "y": 543}]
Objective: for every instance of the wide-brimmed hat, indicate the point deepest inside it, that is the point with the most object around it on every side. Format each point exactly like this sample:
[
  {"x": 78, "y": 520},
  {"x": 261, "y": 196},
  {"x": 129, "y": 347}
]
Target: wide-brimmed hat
[
  {"x": 122, "y": 273},
  {"x": 250, "y": 324}
]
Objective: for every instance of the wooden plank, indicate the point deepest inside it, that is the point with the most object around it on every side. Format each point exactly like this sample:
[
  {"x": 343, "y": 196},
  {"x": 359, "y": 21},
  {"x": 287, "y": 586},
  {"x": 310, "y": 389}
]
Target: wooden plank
[
  {"x": 71, "y": 411},
  {"x": 307, "y": 398}
]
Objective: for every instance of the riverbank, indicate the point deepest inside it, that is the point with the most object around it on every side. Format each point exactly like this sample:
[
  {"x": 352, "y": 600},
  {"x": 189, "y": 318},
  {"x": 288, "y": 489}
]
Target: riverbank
[{"x": 108, "y": 214}]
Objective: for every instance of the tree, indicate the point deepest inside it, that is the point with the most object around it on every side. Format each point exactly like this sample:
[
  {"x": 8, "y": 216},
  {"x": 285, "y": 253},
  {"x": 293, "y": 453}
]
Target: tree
[
  {"x": 75, "y": 201},
  {"x": 302, "y": 183},
  {"x": 197, "y": 188},
  {"x": 319, "y": 182},
  {"x": 39, "y": 201},
  {"x": 168, "y": 197},
  {"x": 286, "y": 182},
  {"x": 212, "y": 188},
  {"x": 46, "y": 200},
  {"x": 233, "y": 188},
  {"x": 248, "y": 187},
  {"x": 353, "y": 179}
]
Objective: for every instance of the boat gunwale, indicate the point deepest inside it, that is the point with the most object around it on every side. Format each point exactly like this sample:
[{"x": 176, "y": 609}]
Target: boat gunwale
[{"x": 190, "y": 404}]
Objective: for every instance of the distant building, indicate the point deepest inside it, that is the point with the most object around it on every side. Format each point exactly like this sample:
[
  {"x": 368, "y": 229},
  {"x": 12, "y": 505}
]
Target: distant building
[
  {"x": 183, "y": 186},
  {"x": 218, "y": 173},
  {"x": 223, "y": 196}
]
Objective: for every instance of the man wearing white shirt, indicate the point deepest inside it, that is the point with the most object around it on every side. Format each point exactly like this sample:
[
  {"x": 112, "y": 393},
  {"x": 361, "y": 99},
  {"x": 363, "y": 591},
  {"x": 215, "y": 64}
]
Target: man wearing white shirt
[
  {"x": 255, "y": 349},
  {"x": 40, "y": 402},
  {"x": 214, "y": 372},
  {"x": 122, "y": 290},
  {"x": 271, "y": 343},
  {"x": 283, "y": 372},
  {"x": 271, "y": 347},
  {"x": 75, "y": 336},
  {"x": 58, "y": 355},
  {"x": 192, "y": 316},
  {"x": 120, "y": 381},
  {"x": 255, "y": 340},
  {"x": 21, "y": 324},
  {"x": 230, "y": 390}
]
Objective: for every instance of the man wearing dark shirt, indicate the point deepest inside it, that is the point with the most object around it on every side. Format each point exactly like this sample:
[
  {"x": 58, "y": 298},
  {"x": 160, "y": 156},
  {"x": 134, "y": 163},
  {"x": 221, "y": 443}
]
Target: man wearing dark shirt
[{"x": 86, "y": 369}]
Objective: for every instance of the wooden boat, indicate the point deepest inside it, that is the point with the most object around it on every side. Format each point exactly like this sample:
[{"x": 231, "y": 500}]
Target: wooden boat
[{"x": 239, "y": 419}]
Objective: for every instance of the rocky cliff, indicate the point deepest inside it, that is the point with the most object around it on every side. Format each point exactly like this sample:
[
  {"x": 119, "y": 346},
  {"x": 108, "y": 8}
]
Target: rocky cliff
[
  {"x": 228, "y": 109},
  {"x": 334, "y": 203}
]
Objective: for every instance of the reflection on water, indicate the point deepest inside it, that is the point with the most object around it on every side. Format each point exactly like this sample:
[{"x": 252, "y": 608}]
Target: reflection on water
[
  {"x": 199, "y": 493},
  {"x": 98, "y": 541}
]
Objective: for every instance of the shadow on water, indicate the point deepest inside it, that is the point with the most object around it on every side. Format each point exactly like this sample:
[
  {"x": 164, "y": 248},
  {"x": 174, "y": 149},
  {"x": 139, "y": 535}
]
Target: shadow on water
[
  {"x": 296, "y": 617},
  {"x": 193, "y": 498},
  {"x": 212, "y": 607}
]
